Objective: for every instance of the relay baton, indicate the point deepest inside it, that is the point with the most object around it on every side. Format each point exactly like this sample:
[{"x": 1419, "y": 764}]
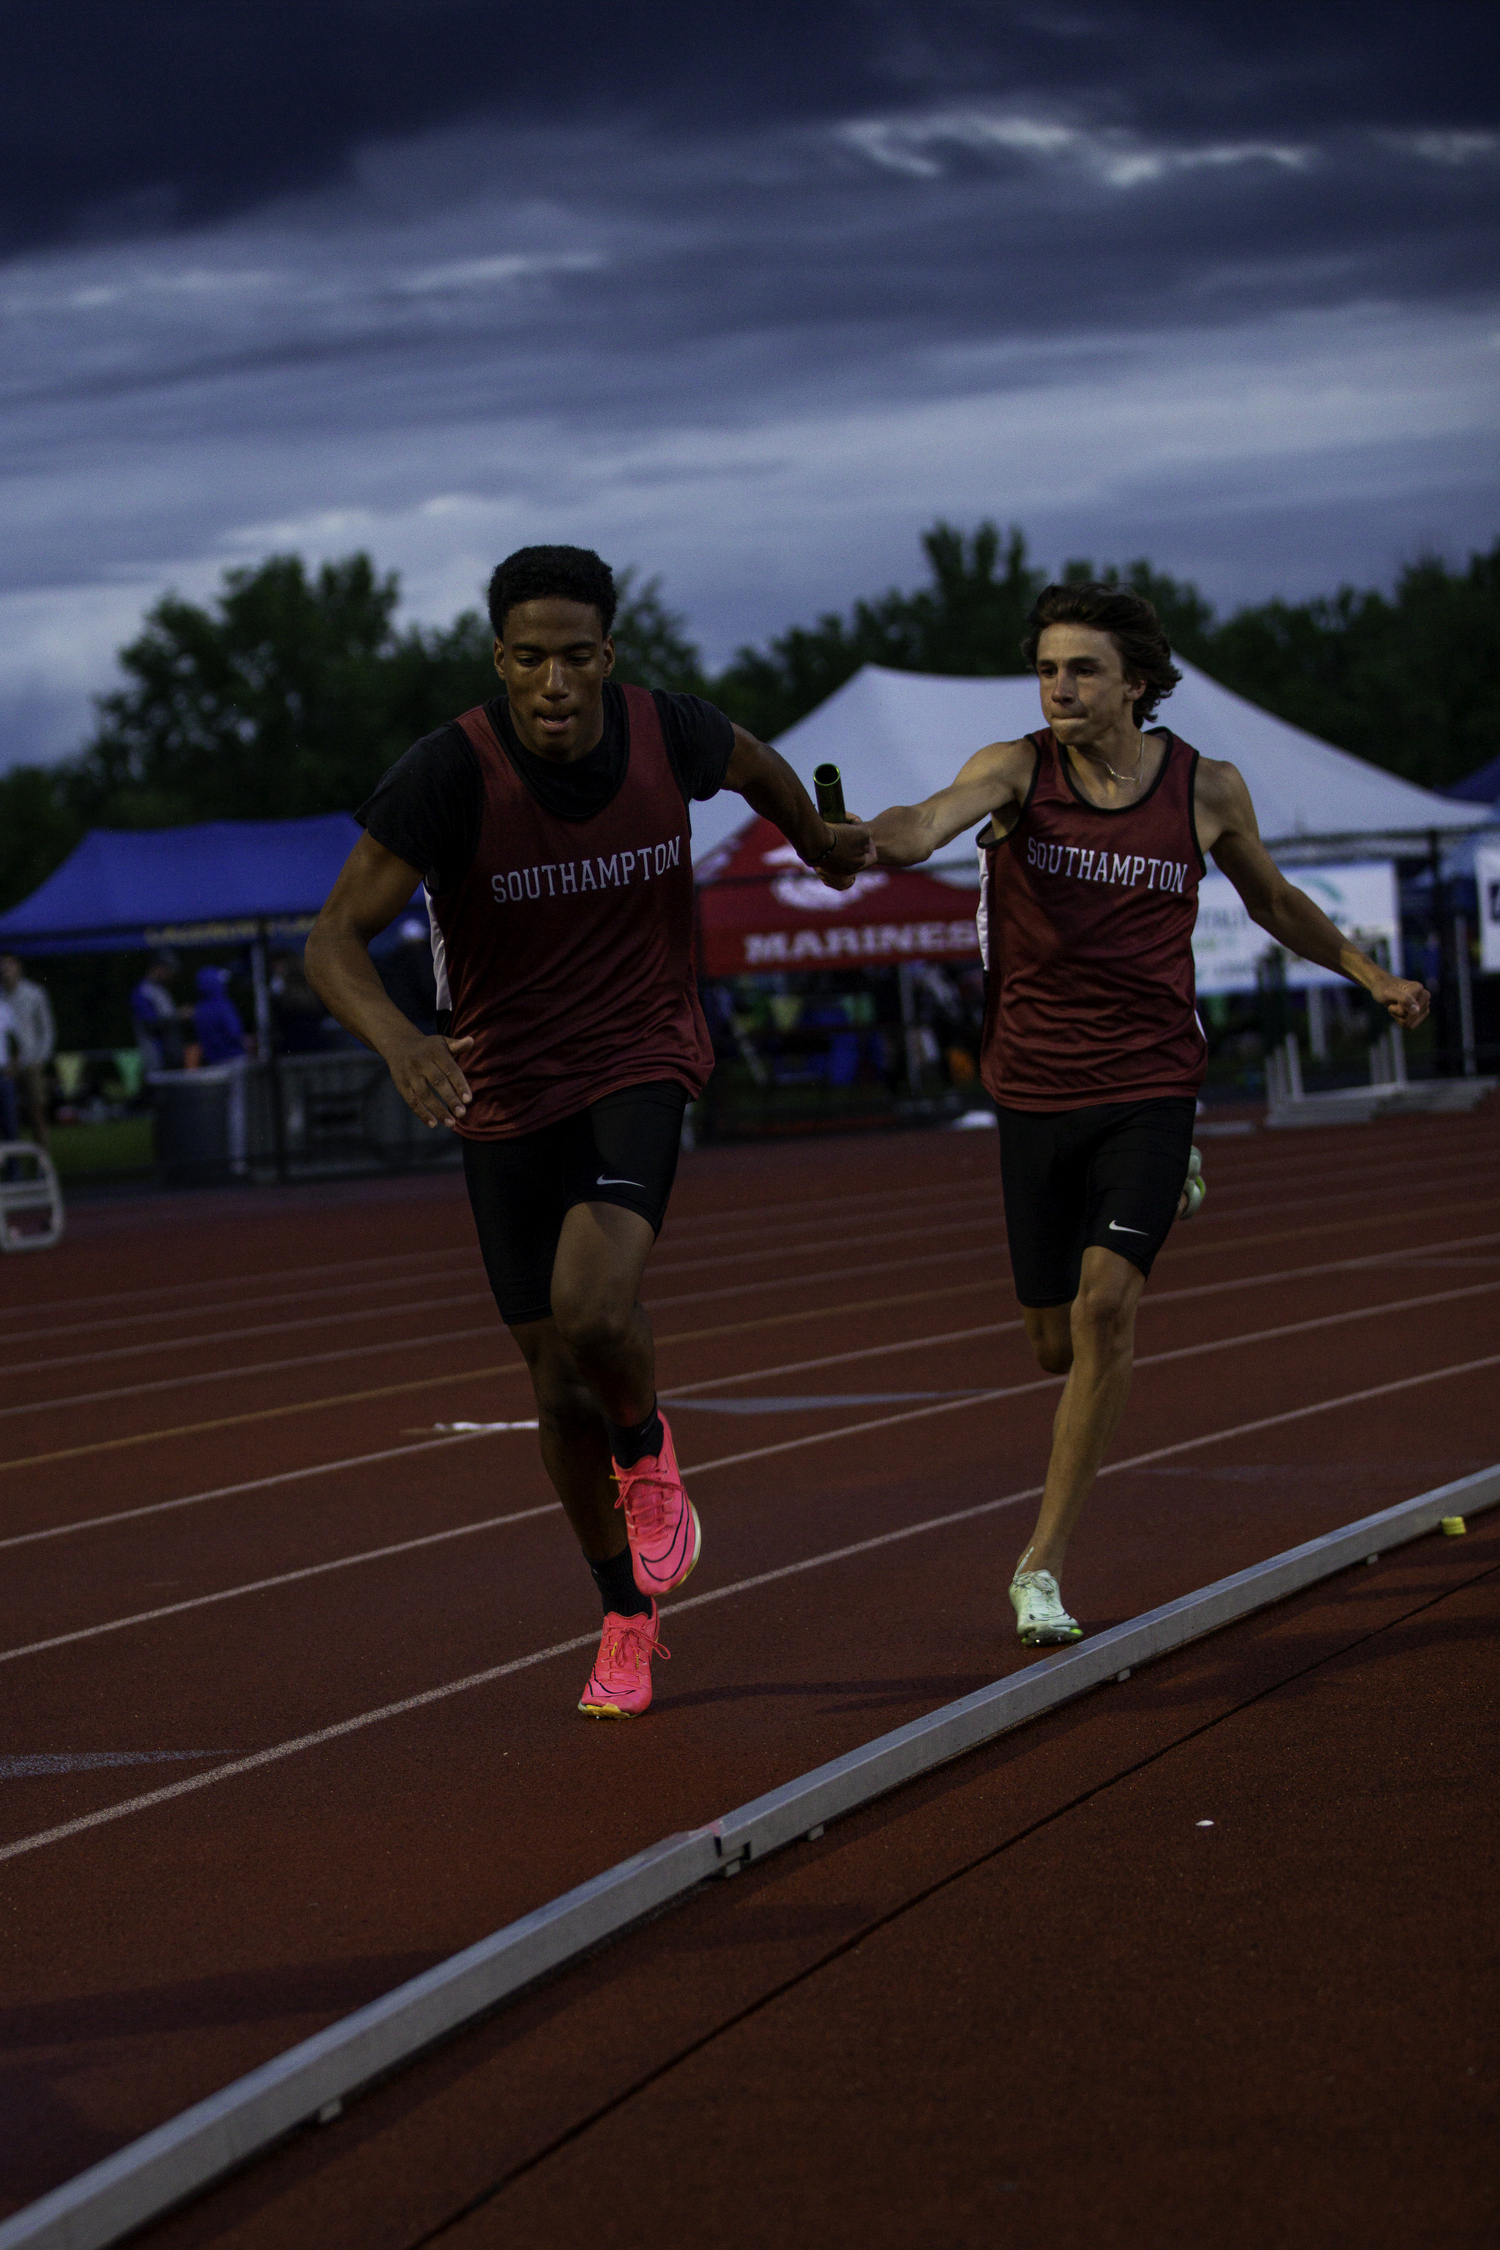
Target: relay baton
[{"x": 829, "y": 784}]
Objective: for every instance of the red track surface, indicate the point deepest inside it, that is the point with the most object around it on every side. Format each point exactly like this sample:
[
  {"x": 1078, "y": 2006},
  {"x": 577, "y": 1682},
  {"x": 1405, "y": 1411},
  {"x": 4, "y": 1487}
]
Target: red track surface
[{"x": 1322, "y": 1342}]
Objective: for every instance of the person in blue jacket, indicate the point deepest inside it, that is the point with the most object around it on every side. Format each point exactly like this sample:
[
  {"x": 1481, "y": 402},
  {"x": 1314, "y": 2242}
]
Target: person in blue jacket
[{"x": 216, "y": 1020}]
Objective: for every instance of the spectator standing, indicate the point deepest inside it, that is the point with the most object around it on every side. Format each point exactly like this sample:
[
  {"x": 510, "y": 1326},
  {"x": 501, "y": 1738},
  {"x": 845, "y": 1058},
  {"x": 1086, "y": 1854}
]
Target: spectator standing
[
  {"x": 35, "y": 1037},
  {"x": 296, "y": 1011},
  {"x": 216, "y": 1020},
  {"x": 9, "y": 1047},
  {"x": 221, "y": 1039},
  {"x": 157, "y": 1017}
]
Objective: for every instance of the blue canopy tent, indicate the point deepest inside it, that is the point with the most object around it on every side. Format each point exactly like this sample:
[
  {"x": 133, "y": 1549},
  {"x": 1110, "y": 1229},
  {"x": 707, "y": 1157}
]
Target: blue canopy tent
[
  {"x": 208, "y": 885},
  {"x": 1481, "y": 788},
  {"x": 223, "y": 882}
]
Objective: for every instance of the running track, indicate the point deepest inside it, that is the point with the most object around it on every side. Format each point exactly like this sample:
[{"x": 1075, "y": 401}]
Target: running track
[{"x": 291, "y": 1671}]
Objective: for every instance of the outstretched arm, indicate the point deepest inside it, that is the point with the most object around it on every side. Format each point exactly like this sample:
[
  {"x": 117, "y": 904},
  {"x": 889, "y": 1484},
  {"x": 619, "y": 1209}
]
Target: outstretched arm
[
  {"x": 993, "y": 780},
  {"x": 372, "y": 888},
  {"x": 767, "y": 783},
  {"x": 1227, "y": 827}
]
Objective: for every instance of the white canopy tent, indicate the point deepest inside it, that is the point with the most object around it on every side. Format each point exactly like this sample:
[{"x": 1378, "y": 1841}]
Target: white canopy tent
[{"x": 898, "y": 736}]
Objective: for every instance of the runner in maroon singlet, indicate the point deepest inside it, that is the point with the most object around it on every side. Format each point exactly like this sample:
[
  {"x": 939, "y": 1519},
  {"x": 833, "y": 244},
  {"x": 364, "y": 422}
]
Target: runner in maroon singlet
[
  {"x": 550, "y": 828},
  {"x": 1090, "y": 855}
]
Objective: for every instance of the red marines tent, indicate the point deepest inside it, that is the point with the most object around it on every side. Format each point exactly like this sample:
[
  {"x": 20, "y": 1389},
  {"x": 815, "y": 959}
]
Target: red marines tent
[{"x": 759, "y": 908}]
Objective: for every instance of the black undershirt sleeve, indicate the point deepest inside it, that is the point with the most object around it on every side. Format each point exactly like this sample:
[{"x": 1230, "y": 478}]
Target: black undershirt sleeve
[
  {"x": 699, "y": 740},
  {"x": 429, "y": 807}
]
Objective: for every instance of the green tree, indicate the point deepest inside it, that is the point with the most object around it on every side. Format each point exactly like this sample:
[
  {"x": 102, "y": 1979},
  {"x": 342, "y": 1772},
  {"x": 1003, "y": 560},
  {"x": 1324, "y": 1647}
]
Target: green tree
[
  {"x": 290, "y": 695},
  {"x": 38, "y": 829},
  {"x": 1410, "y": 681},
  {"x": 1186, "y": 618},
  {"x": 968, "y": 619},
  {"x": 293, "y": 690},
  {"x": 652, "y": 649}
]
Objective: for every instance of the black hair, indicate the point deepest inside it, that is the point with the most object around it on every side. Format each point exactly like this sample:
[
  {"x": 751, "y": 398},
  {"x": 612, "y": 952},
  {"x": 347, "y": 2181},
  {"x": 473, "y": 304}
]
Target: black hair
[
  {"x": 1131, "y": 623},
  {"x": 539, "y": 574}
]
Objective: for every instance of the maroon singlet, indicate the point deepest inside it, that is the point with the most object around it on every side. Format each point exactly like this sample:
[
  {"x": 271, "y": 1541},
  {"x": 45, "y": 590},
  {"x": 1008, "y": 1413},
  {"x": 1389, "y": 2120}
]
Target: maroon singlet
[
  {"x": 1086, "y": 926},
  {"x": 566, "y": 951}
]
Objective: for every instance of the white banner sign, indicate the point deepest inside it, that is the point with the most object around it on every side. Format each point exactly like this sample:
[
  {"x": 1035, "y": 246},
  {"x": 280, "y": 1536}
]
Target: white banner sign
[
  {"x": 1362, "y": 899},
  {"x": 1487, "y": 883}
]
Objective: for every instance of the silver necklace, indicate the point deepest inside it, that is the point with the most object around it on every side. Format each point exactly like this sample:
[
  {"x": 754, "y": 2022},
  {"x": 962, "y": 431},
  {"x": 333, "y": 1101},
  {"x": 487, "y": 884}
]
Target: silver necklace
[{"x": 1140, "y": 766}]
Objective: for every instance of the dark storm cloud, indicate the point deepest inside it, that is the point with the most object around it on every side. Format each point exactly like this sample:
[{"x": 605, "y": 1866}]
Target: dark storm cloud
[
  {"x": 607, "y": 273},
  {"x": 745, "y": 294},
  {"x": 128, "y": 116}
]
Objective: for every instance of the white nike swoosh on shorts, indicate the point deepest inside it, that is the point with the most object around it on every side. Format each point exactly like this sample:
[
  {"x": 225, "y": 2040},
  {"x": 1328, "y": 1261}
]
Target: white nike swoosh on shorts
[
  {"x": 1116, "y": 1228},
  {"x": 602, "y": 1182}
]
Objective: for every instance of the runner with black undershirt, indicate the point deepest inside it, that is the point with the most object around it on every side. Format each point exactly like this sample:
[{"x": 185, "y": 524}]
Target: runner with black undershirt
[
  {"x": 551, "y": 830},
  {"x": 1090, "y": 856}
]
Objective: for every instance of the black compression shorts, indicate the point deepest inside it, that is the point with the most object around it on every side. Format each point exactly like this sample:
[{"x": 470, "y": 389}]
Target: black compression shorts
[
  {"x": 1110, "y": 1176},
  {"x": 622, "y": 1150}
]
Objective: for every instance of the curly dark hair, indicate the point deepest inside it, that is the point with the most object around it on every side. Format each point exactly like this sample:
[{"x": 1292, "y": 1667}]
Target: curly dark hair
[
  {"x": 1131, "y": 623},
  {"x": 539, "y": 574}
]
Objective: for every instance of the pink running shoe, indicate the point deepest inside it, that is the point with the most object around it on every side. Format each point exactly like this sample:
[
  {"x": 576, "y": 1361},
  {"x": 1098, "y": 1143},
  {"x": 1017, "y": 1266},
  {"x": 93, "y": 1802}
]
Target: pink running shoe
[
  {"x": 619, "y": 1687},
  {"x": 661, "y": 1522}
]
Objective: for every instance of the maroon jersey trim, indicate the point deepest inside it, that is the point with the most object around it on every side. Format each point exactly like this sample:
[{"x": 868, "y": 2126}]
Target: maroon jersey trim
[
  {"x": 1091, "y": 989},
  {"x": 568, "y": 945},
  {"x": 1065, "y": 768}
]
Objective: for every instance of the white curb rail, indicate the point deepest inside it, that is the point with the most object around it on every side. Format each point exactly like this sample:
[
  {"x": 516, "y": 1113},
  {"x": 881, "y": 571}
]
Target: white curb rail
[{"x": 311, "y": 2081}]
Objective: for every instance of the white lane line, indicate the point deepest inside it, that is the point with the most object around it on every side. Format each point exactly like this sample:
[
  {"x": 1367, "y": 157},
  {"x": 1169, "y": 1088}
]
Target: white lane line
[
  {"x": 237, "y": 1307},
  {"x": 403, "y": 1309},
  {"x": 1324, "y": 1320},
  {"x": 1008, "y": 1327},
  {"x": 361, "y": 1266},
  {"x": 30, "y": 1765},
  {"x": 490, "y": 1329},
  {"x": 282, "y": 1578},
  {"x": 881, "y": 1200},
  {"x": 342, "y": 1727},
  {"x": 224, "y": 1492},
  {"x": 1356, "y": 1178},
  {"x": 950, "y": 1404},
  {"x": 481, "y": 1429},
  {"x": 282, "y": 1750},
  {"x": 802, "y": 1402},
  {"x": 279, "y": 1328},
  {"x": 1240, "y": 1175},
  {"x": 790, "y": 1367},
  {"x": 468, "y": 1335},
  {"x": 1046, "y": 1382},
  {"x": 985, "y": 1214},
  {"x": 836, "y": 1359},
  {"x": 30, "y": 1315}
]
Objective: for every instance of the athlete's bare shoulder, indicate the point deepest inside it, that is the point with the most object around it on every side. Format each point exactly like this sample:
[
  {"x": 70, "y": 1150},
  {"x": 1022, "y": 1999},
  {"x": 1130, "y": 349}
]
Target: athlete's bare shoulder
[
  {"x": 1002, "y": 770},
  {"x": 1002, "y": 774},
  {"x": 1221, "y": 802}
]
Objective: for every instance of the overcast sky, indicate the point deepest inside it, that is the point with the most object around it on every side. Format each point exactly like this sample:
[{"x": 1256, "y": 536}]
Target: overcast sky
[{"x": 745, "y": 296}]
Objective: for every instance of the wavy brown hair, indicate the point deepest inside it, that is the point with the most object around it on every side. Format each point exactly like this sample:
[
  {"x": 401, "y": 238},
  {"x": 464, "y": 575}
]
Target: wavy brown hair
[{"x": 1131, "y": 623}]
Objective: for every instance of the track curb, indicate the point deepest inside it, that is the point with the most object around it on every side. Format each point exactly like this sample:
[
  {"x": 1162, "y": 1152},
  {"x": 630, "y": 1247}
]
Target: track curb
[{"x": 310, "y": 2082}]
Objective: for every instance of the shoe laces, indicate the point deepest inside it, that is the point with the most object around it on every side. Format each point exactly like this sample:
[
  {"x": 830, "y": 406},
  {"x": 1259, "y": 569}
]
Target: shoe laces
[
  {"x": 1043, "y": 1593},
  {"x": 644, "y": 1495},
  {"x": 633, "y": 1641}
]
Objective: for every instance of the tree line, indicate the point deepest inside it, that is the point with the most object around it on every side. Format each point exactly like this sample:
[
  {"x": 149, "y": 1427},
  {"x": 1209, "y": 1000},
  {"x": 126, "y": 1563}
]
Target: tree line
[{"x": 294, "y": 689}]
